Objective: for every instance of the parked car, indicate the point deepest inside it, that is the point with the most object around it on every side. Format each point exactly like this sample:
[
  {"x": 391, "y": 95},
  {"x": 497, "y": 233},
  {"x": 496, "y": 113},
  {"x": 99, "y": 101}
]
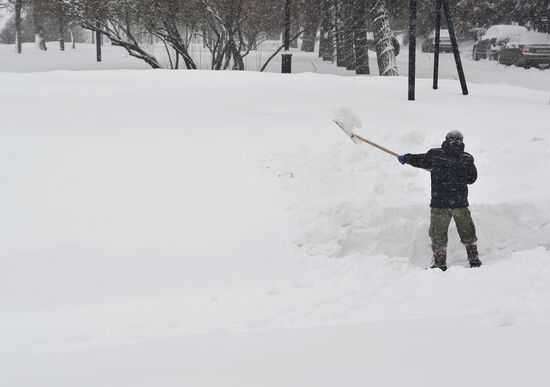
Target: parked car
[
  {"x": 475, "y": 33},
  {"x": 428, "y": 45},
  {"x": 489, "y": 45},
  {"x": 526, "y": 50}
]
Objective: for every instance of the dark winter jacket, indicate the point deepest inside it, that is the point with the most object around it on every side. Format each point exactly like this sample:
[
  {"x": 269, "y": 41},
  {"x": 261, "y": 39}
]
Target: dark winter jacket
[{"x": 451, "y": 173}]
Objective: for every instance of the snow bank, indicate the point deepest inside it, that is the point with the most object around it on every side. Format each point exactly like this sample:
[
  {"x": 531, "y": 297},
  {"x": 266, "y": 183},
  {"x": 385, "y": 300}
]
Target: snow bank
[
  {"x": 115, "y": 58},
  {"x": 166, "y": 222}
]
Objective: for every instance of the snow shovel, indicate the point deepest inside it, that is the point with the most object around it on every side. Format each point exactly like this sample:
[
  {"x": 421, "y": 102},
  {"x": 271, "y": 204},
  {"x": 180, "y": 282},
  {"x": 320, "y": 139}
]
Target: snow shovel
[{"x": 348, "y": 130}]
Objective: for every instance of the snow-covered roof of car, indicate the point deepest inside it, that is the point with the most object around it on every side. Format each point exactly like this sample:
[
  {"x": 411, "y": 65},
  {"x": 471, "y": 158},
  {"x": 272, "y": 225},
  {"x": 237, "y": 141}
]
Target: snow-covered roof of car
[
  {"x": 532, "y": 37},
  {"x": 503, "y": 31}
]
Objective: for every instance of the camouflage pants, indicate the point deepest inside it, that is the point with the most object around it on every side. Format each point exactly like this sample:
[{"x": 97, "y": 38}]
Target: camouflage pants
[{"x": 439, "y": 226}]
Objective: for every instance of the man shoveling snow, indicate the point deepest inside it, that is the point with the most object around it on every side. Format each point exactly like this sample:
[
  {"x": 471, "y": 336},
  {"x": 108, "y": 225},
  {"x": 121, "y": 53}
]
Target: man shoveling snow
[{"x": 451, "y": 170}]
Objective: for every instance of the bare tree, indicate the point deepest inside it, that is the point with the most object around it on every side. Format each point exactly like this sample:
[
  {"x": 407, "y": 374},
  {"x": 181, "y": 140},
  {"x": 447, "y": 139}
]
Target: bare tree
[
  {"x": 170, "y": 24},
  {"x": 58, "y": 14},
  {"x": 38, "y": 11},
  {"x": 311, "y": 12},
  {"x": 327, "y": 29},
  {"x": 18, "y": 40},
  {"x": 119, "y": 21},
  {"x": 360, "y": 36},
  {"x": 231, "y": 28},
  {"x": 346, "y": 50},
  {"x": 17, "y": 6}
]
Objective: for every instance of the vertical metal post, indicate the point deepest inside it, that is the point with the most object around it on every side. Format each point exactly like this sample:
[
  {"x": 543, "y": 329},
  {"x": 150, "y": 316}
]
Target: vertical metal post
[
  {"x": 445, "y": 4},
  {"x": 437, "y": 40},
  {"x": 412, "y": 48},
  {"x": 287, "y": 56},
  {"x": 98, "y": 42}
]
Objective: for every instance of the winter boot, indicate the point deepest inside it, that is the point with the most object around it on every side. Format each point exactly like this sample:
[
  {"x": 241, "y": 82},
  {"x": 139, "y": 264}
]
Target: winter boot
[
  {"x": 440, "y": 259},
  {"x": 473, "y": 256}
]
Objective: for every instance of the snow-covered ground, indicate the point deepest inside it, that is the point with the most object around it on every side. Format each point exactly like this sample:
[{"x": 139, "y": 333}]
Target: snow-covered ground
[
  {"x": 114, "y": 58},
  {"x": 169, "y": 228}
]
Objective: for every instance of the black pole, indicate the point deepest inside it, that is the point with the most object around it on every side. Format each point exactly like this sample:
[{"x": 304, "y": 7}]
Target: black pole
[
  {"x": 445, "y": 4},
  {"x": 287, "y": 56},
  {"x": 412, "y": 48},
  {"x": 437, "y": 39},
  {"x": 98, "y": 42}
]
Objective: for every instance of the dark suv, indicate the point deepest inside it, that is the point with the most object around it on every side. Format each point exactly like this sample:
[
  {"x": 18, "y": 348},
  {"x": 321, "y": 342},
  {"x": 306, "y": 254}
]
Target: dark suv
[
  {"x": 489, "y": 45},
  {"x": 526, "y": 50}
]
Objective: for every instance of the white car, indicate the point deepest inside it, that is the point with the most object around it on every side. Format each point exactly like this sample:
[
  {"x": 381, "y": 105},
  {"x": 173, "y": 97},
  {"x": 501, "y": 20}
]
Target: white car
[{"x": 489, "y": 45}]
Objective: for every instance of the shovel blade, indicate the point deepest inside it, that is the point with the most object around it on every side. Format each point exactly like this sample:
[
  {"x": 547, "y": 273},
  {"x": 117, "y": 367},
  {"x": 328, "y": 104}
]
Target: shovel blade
[
  {"x": 347, "y": 120},
  {"x": 348, "y": 131}
]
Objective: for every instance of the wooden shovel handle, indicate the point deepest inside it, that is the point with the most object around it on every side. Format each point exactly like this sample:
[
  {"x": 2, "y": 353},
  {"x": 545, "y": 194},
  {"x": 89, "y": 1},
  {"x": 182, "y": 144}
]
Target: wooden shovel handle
[
  {"x": 376, "y": 145},
  {"x": 367, "y": 141}
]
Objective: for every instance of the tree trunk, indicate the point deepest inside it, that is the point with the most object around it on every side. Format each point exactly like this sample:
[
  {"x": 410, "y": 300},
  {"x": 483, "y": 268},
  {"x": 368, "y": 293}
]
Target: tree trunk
[
  {"x": 238, "y": 62},
  {"x": 360, "y": 36},
  {"x": 339, "y": 35},
  {"x": 39, "y": 38},
  {"x": 310, "y": 33},
  {"x": 73, "y": 43},
  {"x": 171, "y": 35},
  {"x": 326, "y": 40},
  {"x": 253, "y": 42},
  {"x": 18, "y": 5},
  {"x": 61, "y": 37},
  {"x": 40, "y": 41},
  {"x": 294, "y": 29},
  {"x": 348, "y": 43},
  {"x": 98, "y": 42},
  {"x": 218, "y": 53},
  {"x": 311, "y": 25},
  {"x": 382, "y": 38},
  {"x": 233, "y": 52},
  {"x": 323, "y": 40}
]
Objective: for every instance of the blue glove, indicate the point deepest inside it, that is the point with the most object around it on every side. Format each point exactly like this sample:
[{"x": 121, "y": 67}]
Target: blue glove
[{"x": 402, "y": 159}]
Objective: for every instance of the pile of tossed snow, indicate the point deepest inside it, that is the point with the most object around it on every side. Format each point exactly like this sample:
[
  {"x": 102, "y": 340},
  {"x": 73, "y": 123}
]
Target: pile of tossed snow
[{"x": 200, "y": 228}]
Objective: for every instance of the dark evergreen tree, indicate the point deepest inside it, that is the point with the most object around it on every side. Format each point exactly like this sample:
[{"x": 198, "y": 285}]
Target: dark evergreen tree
[{"x": 360, "y": 36}]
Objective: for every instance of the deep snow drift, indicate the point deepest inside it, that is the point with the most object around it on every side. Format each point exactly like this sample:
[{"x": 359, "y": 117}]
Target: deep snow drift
[{"x": 207, "y": 229}]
